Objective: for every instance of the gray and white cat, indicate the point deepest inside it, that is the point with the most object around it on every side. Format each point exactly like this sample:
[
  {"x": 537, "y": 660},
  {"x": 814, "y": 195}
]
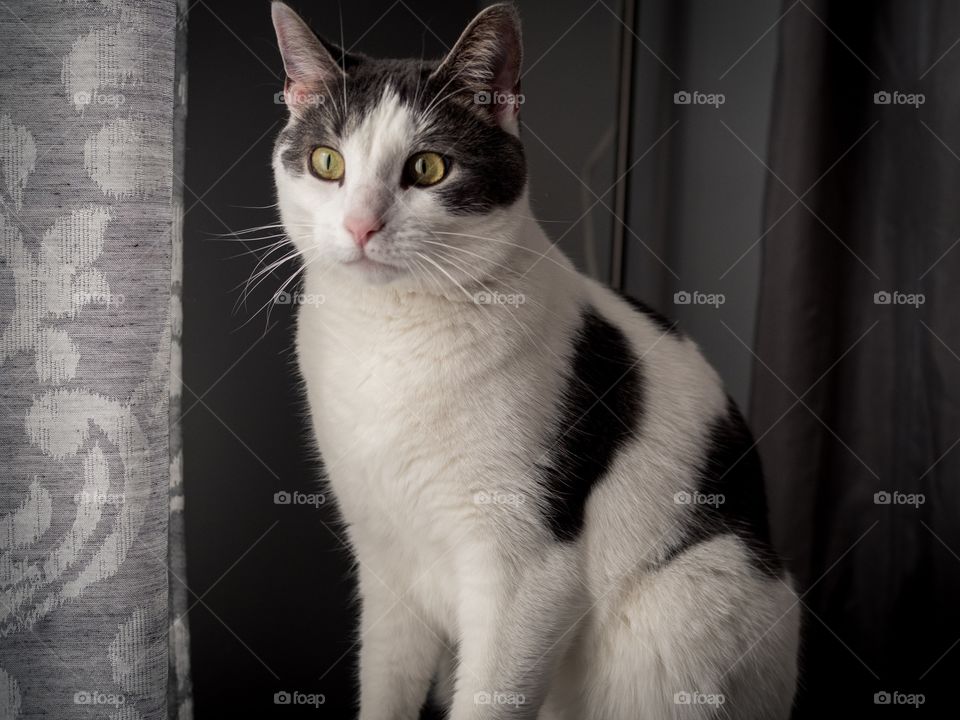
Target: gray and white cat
[{"x": 556, "y": 510}]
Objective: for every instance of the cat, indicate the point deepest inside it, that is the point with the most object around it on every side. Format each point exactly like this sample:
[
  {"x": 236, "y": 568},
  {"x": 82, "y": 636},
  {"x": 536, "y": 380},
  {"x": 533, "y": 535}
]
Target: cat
[{"x": 556, "y": 510}]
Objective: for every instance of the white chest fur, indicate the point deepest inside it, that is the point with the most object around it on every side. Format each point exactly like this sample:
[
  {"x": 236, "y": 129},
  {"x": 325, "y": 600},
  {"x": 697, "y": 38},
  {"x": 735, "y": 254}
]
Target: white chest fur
[{"x": 415, "y": 413}]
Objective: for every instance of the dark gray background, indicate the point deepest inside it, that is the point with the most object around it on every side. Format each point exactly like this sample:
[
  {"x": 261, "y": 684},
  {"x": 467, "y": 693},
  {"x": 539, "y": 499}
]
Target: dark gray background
[{"x": 272, "y": 583}]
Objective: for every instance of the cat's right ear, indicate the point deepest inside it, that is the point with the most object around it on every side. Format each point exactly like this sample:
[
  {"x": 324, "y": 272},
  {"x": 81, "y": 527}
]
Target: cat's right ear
[
  {"x": 486, "y": 62},
  {"x": 313, "y": 73}
]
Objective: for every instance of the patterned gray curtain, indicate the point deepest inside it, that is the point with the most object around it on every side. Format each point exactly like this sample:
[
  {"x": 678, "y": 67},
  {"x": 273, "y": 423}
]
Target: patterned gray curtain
[{"x": 91, "y": 557}]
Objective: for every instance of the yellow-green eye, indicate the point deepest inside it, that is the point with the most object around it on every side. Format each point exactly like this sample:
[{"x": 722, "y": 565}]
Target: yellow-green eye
[
  {"x": 426, "y": 168},
  {"x": 327, "y": 163}
]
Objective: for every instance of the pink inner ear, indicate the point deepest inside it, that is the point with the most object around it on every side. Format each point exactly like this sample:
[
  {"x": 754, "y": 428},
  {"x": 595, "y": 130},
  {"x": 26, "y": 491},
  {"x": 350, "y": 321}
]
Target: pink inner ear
[
  {"x": 508, "y": 102},
  {"x": 289, "y": 92},
  {"x": 506, "y": 74},
  {"x": 506, "y": 84},
  {"x": 507, "y": 68},
  {"x": 299, "y": 96}
]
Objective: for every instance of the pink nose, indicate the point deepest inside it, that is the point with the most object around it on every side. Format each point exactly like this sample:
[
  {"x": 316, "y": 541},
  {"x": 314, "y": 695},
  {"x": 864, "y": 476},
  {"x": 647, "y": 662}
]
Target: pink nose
[{"x": 362, "y": 227}]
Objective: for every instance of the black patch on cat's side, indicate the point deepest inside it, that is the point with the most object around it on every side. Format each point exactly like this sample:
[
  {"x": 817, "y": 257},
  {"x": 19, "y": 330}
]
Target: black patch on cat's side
[
  {"x": 664, "y": 323},
  {"x": 488, "y": 167},
  {"x": 731, "y": 467},
  {"x": 600, "y": 410}
]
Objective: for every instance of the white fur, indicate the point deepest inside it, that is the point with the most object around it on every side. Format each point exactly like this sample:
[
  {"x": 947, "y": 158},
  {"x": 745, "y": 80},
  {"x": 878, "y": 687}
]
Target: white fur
[{"x": 425, "y": 404}]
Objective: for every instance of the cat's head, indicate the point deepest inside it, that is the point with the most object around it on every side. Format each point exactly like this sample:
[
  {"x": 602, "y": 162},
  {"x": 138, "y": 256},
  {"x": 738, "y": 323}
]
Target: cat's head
[{"x": 402, "y": 171}]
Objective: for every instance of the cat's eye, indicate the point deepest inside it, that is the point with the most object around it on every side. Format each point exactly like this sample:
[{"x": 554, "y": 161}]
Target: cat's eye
[
  {"x": 425, "y": 169},
  {"x": 326, "y": 163}
]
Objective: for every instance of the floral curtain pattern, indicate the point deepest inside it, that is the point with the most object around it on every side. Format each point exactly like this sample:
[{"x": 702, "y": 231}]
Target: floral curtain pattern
[{"x": 89, "y": 360}]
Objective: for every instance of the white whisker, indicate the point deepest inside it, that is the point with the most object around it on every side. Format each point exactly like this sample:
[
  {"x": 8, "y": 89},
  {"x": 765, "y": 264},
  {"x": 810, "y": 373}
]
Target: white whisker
[
  {"x": 452, "y": 279},
  {"x": 267, "y": 250},
  {"x": 545, "y": 256}
]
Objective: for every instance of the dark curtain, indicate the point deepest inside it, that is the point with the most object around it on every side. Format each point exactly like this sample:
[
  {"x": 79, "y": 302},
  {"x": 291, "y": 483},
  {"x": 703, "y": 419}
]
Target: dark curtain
[{"x": 856, "y": 398}]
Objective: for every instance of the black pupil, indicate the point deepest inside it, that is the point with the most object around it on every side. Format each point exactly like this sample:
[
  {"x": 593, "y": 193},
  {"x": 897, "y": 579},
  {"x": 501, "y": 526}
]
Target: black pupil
[
  {"x": 421, "y": 166},
  {"x": 326, "y": 160}
]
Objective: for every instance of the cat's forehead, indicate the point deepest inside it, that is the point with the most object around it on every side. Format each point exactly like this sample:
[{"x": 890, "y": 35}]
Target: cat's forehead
[
  {"x": 373, "y": 79},
  {"x": 381, "y": 133},
  {"x": 394, "y": 95},
  {"x": 367, "y": 87}
]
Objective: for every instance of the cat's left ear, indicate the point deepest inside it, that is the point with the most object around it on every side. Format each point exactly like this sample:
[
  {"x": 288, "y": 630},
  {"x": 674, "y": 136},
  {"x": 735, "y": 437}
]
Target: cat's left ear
[{"x": 486, "y": 63}]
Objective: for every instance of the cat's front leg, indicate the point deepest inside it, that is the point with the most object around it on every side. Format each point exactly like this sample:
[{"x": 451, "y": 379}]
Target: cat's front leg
[
  {"x": 399, "y": 653},
  {"x": 516, "y": 619}
]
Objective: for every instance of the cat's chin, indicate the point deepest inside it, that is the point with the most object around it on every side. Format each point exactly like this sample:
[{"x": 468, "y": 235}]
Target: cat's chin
[{"x": 372, "y": 271}]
